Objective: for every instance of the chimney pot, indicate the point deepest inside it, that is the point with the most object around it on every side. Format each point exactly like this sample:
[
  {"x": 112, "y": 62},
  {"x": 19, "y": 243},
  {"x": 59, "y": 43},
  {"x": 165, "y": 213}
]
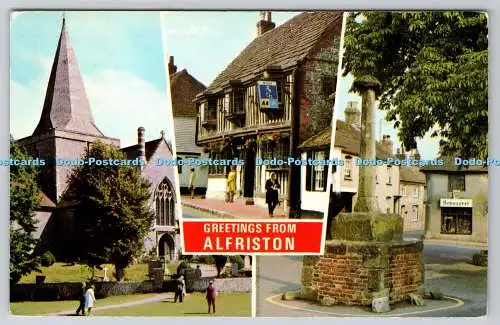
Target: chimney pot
[
  {"x": 172, "y": 68},
  {"x": 353, "y": 114},
  {"x": 265, "y": 23}
]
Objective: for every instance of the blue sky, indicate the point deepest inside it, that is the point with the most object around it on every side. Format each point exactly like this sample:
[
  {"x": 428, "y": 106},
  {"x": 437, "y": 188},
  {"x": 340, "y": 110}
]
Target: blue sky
[
  {"x": 204, "y": 43},
  {"x": 120, "y": 56}
]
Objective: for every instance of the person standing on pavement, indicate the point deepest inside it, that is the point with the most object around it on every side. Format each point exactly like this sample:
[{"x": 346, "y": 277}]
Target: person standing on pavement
[
  {"x": 192, "y": 182},
  {"x": 272, "y": 193},
  {"x": 231, "y": 183},
  {"x": 211, "y": 295}
]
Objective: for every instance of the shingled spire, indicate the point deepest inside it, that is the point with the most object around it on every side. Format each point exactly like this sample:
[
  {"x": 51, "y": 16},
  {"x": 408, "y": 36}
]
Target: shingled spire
[{"x": 66, "y": 106}]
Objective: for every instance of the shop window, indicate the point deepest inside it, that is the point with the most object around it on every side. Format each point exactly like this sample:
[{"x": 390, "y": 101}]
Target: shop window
[
  {"x": 456, "y": 182},
  {"x": 456, "y": 221}
]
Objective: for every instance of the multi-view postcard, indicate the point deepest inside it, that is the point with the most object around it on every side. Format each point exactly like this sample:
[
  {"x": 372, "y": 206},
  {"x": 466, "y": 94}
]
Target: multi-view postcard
[{"x": 300, "y": 163}]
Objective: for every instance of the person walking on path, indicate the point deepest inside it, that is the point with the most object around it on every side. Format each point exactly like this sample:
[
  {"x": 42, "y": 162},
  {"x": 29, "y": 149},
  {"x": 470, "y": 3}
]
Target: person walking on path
[
  {"x": 89, "y": 299},
  {"x": 180, "y": 288},
  {"x": 231, "y": 183},
  {"x": 211, "y": 295},
  {"x": 272, "y": 193},
  {"x": 192, "y": 182},
  {"x": 81, "y": 307}
]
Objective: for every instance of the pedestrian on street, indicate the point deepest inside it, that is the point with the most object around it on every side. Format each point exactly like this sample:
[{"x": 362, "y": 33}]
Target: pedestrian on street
[
  {"x": 192, "y": 182},
  {"x": 231, "y": 183},
  {"x": 272, "y": 193},
  {"x": 180, "y": 288},
  {"x": 211, "y": 295},
  {"x": 89, "y": 299},
  {"x": 81, "y": 307}
]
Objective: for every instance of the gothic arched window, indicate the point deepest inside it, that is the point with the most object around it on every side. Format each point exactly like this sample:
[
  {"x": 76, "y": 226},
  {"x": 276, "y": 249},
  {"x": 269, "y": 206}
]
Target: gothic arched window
[{"x": 165, "y": 204}]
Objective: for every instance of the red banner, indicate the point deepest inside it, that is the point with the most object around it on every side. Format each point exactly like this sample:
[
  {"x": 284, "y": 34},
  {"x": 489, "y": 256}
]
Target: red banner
[{"x": 251, "y": 237}]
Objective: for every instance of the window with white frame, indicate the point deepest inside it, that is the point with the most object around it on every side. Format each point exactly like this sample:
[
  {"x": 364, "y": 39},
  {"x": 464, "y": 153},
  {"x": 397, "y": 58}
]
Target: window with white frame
[{"x": 348, "y": 167}]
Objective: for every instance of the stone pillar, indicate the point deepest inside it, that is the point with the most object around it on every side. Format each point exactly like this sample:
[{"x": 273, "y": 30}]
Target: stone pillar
[{"x": 367, "y": 202}]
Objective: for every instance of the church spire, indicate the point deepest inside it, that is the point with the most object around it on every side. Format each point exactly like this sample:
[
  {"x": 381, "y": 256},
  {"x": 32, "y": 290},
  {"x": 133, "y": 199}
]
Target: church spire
[{"x": 66, "y": 105}]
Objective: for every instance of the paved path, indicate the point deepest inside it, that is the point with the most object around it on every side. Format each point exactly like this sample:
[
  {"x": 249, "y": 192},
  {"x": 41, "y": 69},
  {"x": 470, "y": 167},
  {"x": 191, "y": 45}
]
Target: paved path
[
  {"x": 447, "y": 269},
  {"x": 159, "y": 297},
  {"x": 236, "y": 210}
]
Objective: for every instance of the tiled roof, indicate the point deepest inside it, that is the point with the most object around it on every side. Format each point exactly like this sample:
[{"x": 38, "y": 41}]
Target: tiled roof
[
  {"x": 66, "y": 106},
  {"x": 184, "y": 87},
  {"x": 151, "y": 146},
  {"x": 411, "y": 174},
  {"x": 282, "y": 46},
  {"x": 347, "y": 137}
]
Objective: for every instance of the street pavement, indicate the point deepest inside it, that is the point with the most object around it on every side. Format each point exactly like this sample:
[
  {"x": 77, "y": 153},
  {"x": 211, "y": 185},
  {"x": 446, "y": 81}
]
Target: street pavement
[
  {"x": 448, "y": 269},
  {"x": 213, "y": 208}
]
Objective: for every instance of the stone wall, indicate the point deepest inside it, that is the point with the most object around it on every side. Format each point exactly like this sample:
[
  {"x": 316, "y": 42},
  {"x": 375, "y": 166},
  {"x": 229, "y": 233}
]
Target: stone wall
[
  {"x": 72, "y": 290},
  {"x": 353, "y": 273}
]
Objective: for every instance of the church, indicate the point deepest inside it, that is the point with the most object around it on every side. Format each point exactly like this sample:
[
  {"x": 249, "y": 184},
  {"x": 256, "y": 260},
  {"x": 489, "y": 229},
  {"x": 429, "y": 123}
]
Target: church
[{"x": 67, "y": 129}]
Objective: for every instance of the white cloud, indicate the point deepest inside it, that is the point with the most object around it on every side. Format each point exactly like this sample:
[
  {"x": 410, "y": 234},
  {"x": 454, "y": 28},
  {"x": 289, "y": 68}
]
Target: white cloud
[{"x": 121, "y": 102}]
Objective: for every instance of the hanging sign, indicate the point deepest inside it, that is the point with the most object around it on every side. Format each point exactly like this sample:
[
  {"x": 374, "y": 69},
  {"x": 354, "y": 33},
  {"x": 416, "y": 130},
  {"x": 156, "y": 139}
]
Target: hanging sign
[{"x": 268, "y": 94}]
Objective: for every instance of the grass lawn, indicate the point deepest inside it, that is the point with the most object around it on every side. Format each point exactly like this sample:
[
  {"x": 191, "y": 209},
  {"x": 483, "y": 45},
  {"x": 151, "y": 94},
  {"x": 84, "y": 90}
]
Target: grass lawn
[
  {"x": 61, "y": 272},
  {"x": 47, "y": 307},
  {"x": 227, "y": 304}
]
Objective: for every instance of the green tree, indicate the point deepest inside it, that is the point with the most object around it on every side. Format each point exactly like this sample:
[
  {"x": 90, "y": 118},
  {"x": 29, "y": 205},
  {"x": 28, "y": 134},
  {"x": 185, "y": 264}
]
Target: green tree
[
  {"x": 433, "y": 70},
  {"x": 220, "y": 262},
  {"x": 24, "y": 200},
  {"x": 321, "y": 91},
  {"x": 113, "y": 216}
]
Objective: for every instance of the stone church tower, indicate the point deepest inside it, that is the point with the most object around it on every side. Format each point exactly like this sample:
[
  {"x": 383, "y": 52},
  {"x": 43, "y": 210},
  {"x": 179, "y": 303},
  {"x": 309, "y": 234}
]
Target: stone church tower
[{"x": 66, "y": 127}]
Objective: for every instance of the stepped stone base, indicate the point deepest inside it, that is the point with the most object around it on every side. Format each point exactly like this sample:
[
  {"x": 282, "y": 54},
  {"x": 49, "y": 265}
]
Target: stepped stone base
[{"x": 366, "y": 260}]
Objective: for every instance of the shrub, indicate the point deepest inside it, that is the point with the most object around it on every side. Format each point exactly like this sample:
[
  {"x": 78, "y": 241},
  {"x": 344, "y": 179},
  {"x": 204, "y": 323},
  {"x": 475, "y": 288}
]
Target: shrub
[
  {"x": 237, "y": 260},
  {"x": 480, "y": 258},
  {"x": 183, "y": 265},
  {"x": 202, "y": 259},
  {"x": 47, "y": 259}
]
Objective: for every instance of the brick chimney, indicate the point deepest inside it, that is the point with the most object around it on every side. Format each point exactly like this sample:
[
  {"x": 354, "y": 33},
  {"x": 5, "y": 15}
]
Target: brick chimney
[
  {"x": 353, "y": 114},
  {"x": 265, "y": 23},
  {"x": 172, "y": 68},
  {"x": 141, "y": 142},
  {"x": 387, "y": 143}
]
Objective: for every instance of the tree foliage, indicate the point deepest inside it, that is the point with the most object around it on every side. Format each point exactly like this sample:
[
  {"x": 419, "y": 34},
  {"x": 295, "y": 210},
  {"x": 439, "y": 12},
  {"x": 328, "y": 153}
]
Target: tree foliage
[
  {"x": 433, "y": 70},
  {"x": 113, "y": 216},
  {"x": 321, "y": 91},
  {"x": 24, "y": 200},
  {"x": 220, "y": 262}
]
